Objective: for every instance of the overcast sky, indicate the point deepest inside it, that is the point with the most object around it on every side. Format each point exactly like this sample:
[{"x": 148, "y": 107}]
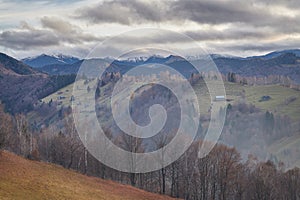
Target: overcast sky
[{"x": 254, "y": 27}]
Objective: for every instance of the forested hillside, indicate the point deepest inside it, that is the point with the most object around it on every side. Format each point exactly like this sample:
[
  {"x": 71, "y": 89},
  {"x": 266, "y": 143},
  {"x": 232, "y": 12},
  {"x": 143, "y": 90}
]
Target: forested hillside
[{"x": 22, "y": 86}]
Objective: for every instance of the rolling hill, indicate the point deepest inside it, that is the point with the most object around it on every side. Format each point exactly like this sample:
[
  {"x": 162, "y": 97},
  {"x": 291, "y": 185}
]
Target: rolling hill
[
  {"x": 282, "y": 101},
  {"x": 25, "y": 179}
]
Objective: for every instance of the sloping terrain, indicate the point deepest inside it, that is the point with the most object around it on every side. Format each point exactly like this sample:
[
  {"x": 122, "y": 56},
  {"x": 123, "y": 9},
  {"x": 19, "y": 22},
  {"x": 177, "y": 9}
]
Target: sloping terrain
[
  {"x": 12, "y": 66},
  {"x": 283, "y": 100},
  {"x": 25, "y": 179},
  {"x": 22, "y": 86},
  {"x": 242, "y": 130}
]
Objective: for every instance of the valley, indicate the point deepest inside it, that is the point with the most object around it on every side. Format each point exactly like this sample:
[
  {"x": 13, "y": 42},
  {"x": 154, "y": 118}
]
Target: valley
[{"x": 262, "y": 121}]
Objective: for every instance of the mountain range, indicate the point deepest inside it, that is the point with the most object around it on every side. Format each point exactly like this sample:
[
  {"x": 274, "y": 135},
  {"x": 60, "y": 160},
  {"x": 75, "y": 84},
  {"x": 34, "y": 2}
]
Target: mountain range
[
  {"x": 286, "y": 63},
  {"x": 24, "y": 82},
  {"x": 43, "y": 59}
]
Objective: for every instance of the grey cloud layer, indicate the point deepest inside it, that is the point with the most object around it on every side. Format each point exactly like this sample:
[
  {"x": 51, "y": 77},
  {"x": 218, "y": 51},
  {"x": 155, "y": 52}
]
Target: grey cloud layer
[
  {"x": 27, "y": 37},
  {"x": 252, "y": 21},
  {"x": 229, "y": 34},
  {"x": 55, "y": 32},
  {"x": 249, "y": 25},
  {"x": 58, "y": 2},
  {"x": 67, "y": 31},
  {"x": 257, "y": 13},
  {"x": 21, "y": 40}
]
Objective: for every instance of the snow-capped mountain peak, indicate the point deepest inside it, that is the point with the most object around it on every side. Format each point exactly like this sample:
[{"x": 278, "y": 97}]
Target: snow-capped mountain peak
[{"x": 44, "y": 59}]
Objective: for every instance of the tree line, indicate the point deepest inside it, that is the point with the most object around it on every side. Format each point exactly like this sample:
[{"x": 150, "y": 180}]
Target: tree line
[{"x": 232, "y": 77}]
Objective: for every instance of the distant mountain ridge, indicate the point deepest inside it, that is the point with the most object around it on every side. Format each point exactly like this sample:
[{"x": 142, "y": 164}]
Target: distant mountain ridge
[
  {"x": 286, "y": 63},
  {"x": 61, "y": 69},
  {"x": 279, "y": 53},
  {"x": 43, "y": 59}
]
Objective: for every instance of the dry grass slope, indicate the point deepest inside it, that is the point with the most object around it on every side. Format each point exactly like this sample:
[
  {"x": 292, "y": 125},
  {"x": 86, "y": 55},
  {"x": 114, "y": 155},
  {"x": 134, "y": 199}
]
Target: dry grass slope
[{"x": 25, "y": 179}]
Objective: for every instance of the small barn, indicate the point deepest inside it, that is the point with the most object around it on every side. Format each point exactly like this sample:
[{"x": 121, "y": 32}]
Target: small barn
[{"x": 220, "y": 98}]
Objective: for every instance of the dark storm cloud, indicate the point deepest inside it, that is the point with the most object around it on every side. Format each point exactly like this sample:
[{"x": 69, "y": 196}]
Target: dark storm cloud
[
  {"x": 207, "y": 11},
  {"x": 20, "y": 39},
  {"x": 28, "y": 38},
  {"x": 55, "y": 32},
  {"x": 228, "y": 25},
  {"x": 122, "y": 12},
  {"x": 216, "y": 12},
  {"x": 54, "y": 2},
  {"x": 150, "y": 38},
  {"x": 293, "y": 4},
  {"x": 253, "y": 13},
  {"x": 197, "y": 35},
  {"x": 67, "y": 31},
  {"x": 258, "y": 47}
]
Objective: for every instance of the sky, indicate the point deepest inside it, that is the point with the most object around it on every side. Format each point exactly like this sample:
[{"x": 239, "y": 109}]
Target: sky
[{"x": 232, "y": 27}]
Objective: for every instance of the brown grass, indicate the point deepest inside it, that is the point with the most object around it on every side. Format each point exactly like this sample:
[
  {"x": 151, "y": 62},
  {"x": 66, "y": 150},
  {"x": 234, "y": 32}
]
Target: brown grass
[{"x": 25, "y": 179}]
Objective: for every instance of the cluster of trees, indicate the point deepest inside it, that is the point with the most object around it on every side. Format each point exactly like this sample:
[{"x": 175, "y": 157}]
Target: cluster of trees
[
  {"x": 5, "y": 127},
  {"x": 250, "y": 129},
  {"x": 109, "y": 77},
  {"x": 248, "y": 80},
  {"x": 220, "y": 175},
  {"x": 16, "y": 136},
  {"x": 60, "y": 81},
  {"x": 262, "y": 80}
]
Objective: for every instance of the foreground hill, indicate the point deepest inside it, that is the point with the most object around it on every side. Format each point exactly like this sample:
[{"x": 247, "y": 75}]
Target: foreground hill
[{"x": 25, "y": 179}]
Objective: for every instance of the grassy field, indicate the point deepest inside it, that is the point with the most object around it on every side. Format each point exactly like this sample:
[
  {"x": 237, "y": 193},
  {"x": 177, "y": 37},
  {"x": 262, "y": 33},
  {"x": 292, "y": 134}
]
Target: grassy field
[
  {"x": 279, "y": 99},
  {"x": 65, "y": 92},
  {"x": 278, "y": 102},
  {"x": 283, "y": 100},
  {"x": 25, "y": 179}
]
